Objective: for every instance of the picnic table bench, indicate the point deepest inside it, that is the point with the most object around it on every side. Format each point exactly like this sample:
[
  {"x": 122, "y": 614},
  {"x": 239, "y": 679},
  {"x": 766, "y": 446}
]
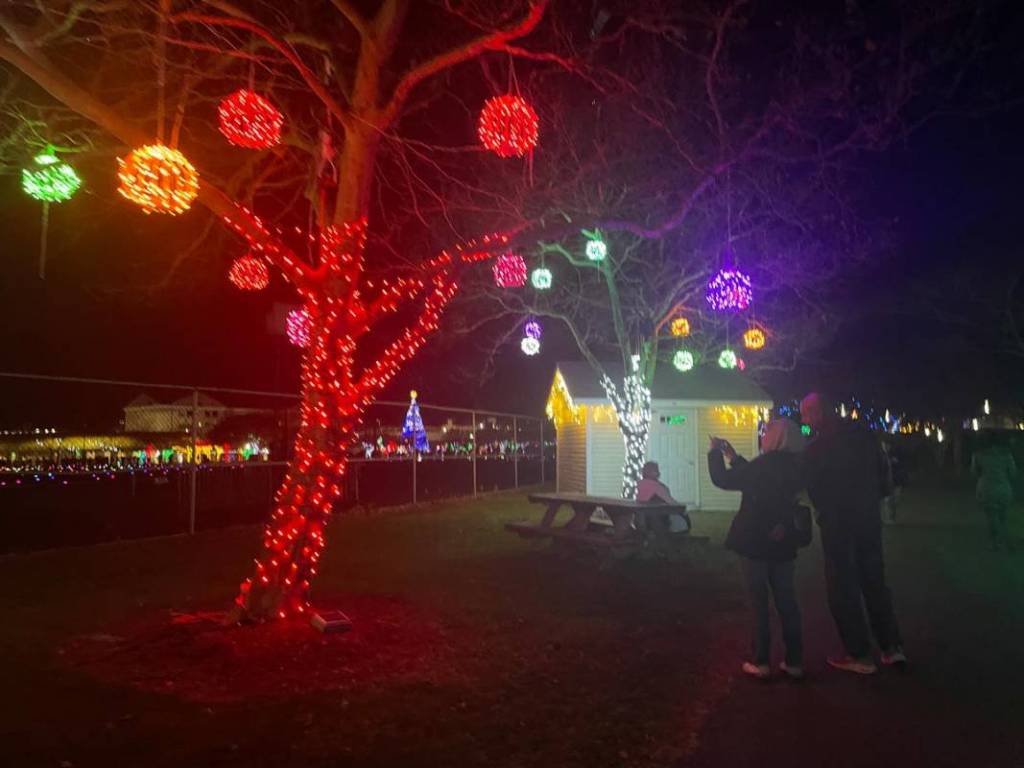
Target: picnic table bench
[{"x": 650, "y": 518}]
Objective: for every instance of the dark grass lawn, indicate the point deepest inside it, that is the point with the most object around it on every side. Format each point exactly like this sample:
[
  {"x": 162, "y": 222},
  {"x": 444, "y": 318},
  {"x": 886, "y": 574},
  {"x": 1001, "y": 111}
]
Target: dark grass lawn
[{"x": 472, "y": 647}]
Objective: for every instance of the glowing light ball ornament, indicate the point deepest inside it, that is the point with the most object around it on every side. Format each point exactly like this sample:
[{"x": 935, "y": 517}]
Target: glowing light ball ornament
[
  {"x": 249, "y": 120},
  {"x": 530, "y": 346},
  {"x": 597, "y": 249},
  {"x": 249, "y": 274},
  {"x": 754, "y": 338},
  {"x": 684, "y": 360},
  {"x": 680, "y": 327},
  {"x": 727, "y": 359},
  {"x": 729, "y": 291},
  {"x": 299, "y": 326},
  {"x": 158, "y": 179},
  {"x": 51, "y": 181},
  {"x": 508, "y": 126},
  {"x": 510, "y": 271},
  {"x": 541, "y": 278},
  {"x": 532, "y": 329}
]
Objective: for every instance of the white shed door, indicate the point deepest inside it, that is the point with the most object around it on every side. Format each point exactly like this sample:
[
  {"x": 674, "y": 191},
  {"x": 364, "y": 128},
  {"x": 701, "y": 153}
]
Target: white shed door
[{"x": 673, "y": 444}]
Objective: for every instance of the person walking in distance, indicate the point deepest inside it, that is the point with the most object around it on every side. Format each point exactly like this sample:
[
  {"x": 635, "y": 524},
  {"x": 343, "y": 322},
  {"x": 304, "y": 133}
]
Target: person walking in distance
[
  {"x": 995, "y": 469},
  {"x": 847, "y": 477}
]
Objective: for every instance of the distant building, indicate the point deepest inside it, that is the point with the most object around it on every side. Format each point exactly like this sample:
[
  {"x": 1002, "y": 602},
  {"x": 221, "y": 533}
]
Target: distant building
[{"x": 144, "y": 414}]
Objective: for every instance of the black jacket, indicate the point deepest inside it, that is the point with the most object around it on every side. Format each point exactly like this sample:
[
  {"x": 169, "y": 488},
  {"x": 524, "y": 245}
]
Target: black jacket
[
  {"x": 847, "y": 475},
  {"x": 769, "y": 484}
]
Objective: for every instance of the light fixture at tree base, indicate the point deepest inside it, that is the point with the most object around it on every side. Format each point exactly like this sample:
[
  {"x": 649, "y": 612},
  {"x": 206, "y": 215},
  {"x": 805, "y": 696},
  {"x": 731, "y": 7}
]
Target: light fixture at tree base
[
  {"x": 684, "y": 360},
  {"x": 508, "y": 126},
  {"x": 159, "y": 179},
  {"x": 727, "y": 359}
]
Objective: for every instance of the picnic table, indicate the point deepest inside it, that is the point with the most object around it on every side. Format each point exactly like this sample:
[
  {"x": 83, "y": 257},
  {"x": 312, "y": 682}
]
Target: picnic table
[{"x": 636, "y": 525}]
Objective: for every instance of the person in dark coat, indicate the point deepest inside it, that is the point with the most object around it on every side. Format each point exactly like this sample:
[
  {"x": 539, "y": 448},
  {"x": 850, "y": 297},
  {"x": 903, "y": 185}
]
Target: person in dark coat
[
  {"x": 847, "y": 477},
  {"x": 761, "y": 535}
]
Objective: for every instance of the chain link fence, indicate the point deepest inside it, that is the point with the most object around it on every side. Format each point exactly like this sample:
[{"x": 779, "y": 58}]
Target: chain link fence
[{"x": 88, "y": 460}]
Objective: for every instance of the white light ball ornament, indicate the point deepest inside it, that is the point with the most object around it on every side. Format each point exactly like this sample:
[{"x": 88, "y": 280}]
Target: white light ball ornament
[
  {"x": 530, "y": 346},
  {"x": 597, "y": 250},
  {"x": 683, "y": 360}
]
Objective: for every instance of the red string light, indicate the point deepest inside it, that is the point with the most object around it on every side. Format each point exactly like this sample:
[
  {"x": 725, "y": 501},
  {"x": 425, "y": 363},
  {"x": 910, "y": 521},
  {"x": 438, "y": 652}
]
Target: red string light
[
  {"x": 508, "y": 126},
  {"x": 341, "y": 306},
  {"x": 249, "y": 120},
  {"x": 249, "y": 274},
  {"x": 510, "y": 271}
]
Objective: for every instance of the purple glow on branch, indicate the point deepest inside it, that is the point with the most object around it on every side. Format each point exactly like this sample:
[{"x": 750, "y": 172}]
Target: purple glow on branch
[{"x": 729, "y": 291}]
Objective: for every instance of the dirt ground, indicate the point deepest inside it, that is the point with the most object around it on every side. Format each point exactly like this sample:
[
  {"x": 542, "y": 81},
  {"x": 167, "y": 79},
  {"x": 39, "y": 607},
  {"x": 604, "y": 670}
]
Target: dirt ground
[{"x": 472, "y": 647}]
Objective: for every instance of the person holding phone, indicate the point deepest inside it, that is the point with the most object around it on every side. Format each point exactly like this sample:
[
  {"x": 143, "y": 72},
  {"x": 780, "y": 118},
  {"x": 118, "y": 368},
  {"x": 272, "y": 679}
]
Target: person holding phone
[{"x": 761, "y": 534}]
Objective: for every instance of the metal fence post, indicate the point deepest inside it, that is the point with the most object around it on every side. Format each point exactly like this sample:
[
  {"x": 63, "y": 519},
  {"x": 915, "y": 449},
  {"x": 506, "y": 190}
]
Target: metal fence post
[
  {"x": 515, "y": 449},
  {"x": 414, "y": 463},
  {"x": 472, "y": 443},
  {"x": 543, "y": 454},
  {"x": 194, "y": 468}
]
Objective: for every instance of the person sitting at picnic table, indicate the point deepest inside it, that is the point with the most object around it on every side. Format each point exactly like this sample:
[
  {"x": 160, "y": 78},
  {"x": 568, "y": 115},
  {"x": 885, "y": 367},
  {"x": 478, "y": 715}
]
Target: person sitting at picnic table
[{"x": 651, "y": 489}]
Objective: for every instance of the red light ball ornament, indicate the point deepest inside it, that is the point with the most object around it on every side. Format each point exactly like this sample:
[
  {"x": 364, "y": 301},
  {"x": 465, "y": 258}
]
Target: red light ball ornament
[
  {"x": 508, "y": 126},
  {"x": 249, "y": 120},
  {"x": 299, "y": 326},
  {"x": 249, "y": 274},
  {"x": 510, "y": 271}
]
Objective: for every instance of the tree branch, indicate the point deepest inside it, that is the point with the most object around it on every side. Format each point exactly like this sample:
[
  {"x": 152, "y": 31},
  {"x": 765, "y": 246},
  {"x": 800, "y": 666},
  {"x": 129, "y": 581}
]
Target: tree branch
[{"x": 494, "y": 41}]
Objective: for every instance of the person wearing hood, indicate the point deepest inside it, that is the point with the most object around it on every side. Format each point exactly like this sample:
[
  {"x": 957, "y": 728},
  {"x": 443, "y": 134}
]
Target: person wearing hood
[{"x": 762, "y": 534}]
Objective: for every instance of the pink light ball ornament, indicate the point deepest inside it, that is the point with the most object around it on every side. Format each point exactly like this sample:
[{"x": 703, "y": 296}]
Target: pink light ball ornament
[{"x": 299, "y": 326}]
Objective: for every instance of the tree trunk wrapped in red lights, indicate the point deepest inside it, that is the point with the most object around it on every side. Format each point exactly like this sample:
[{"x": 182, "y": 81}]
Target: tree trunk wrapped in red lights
[{"x": 343, "y": 305}]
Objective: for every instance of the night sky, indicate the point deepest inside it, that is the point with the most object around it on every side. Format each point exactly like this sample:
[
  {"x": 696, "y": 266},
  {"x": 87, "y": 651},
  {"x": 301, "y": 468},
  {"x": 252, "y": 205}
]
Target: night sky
[{"x": 950, "y": 192}]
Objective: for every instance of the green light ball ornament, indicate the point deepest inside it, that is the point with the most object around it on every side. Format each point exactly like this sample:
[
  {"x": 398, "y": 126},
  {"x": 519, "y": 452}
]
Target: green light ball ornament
[
  {"x": 540, "y": 278},
  {"x": 597, "y": 249},
  {"x": 727, "y": 359},
  {"x": 51, "y": 181},
  {"x": 684, "y": 360}
]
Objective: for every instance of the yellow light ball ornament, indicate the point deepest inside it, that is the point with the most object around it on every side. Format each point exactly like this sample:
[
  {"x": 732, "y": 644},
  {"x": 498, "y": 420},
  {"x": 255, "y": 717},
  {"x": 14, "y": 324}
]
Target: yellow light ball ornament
[
  {"x": 680, "y": 327},
  {"x": 158, "y": 179},
  {"x": 754, "y": 338}
]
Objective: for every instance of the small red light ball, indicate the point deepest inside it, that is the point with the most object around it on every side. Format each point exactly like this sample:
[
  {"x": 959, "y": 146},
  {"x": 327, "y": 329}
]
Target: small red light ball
[{"x": 249, "y": 274}]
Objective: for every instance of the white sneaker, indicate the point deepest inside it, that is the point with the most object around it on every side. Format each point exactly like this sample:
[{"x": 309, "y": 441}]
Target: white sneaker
[
  {"x": 795, "y": 672},
  {"x": 849, "y": 664},
  {"x": 894, "y": 657},
  {"x": 760, "y": 671}
]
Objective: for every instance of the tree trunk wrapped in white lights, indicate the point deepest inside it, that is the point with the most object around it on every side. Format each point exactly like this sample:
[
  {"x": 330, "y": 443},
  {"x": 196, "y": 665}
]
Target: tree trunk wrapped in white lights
[{"x": 633, "y": 409}]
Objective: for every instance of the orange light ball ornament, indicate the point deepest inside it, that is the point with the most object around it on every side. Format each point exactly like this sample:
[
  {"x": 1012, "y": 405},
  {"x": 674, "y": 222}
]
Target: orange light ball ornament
[
  {"x": 754, "y": 338},
  {"x": 158, "y": 179},
  {"x": 680, "y": 327}
]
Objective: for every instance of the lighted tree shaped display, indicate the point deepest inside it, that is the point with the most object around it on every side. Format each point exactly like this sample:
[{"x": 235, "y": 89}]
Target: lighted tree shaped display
[{"x": 412, "y": 428}]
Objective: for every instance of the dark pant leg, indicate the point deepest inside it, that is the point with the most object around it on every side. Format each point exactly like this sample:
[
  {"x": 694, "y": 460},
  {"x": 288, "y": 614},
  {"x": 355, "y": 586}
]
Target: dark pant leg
[
  {"x": 996, "y": 514},
  {"x": 844, "y": 589},
  {"x": 877, "y": 597},
  {"x": 782, "y": 577},
  {"x": 755, "y": 576}
]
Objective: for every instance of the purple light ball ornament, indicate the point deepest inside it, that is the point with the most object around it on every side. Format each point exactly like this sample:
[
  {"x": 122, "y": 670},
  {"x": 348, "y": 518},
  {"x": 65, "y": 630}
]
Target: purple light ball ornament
[
  {"x": 532, "y": 329},
  {"x": 729, "y": 291}
]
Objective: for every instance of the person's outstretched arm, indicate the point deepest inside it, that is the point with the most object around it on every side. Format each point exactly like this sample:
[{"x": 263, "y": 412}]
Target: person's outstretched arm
[{"x": 728, "y": 479}]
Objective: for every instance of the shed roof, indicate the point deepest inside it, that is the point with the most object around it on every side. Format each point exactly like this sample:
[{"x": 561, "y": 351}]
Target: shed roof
[{"x": 706, "y": 383}]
